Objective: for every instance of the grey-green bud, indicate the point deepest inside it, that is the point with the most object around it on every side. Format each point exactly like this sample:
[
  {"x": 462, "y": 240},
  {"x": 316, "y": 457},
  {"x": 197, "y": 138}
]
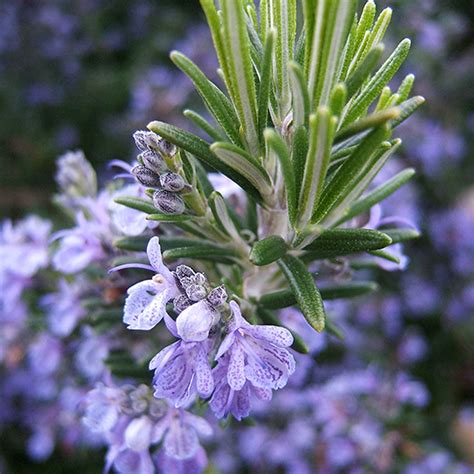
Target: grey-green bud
[
  {"x": 172, "y": 182},
  {"x": 218, "y": 296},
  {"x": 146, "y": 140},
  {"x": 167, "y": 202},
  {"x": 146, "y": 176},
  {"x": 153, "y": 161},
  {"x": 196, "y": 292}
]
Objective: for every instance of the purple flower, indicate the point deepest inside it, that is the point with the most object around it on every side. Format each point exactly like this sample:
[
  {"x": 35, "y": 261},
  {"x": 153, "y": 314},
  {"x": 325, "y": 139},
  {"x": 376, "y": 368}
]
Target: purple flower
[
  {"x": 145, "y": 305},
  {"x": 180, "y": 431},
  {"x": 256, "y": 354},
  {"x": 194, "y": 323},
  {"x": 226, "y": 400},
  {"x": 182, "y": 370},
  {"x": 193, "y": 465},
  {"x": 63, "y": 307}
]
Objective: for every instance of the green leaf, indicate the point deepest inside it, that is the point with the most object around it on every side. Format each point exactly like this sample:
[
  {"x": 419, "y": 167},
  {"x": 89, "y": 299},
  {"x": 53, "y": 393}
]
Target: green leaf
[
  {"x": 322, "y": 127},
  {"x": 305, "y": 291},
  {"x": 299, "y": 152},
  {"x": 134, "y": 244},
  {"x": 136, "y": 203},
  {"x": 401, "y": 234},
  {"x": 200, "y": 149},
  {"x": 265, "y": 83},
  {"x": 268, "y": 317},
  {"x": 358, "y": 77},
  {"x": 276, "y": 143},
  {"x": 351, "y": 172},
  {"x": 405, "y": 88},
  {"x": 221, "y": 215},
  {"x": 218, "y": 104},
  {"x": 338, "y": 99},
  {"x": 378, "y": 194},
  {"x": 168, "y": 217},
  {"x": 407, "y": 108},
  {"x": 366, "y": 123},
  {"x": 385, "y": 255},
  {"x": 237, "y": 49},
  {"x": 202, "y": 252},
  {"x": 338, "y": 20},
  {"x": 374, "y": 87},
  {"x": 268, "y": 250},
  {"x": 338, "y": 242},
  {"x": 244, "y": 164},
  {"x": 382, "y": 154},
  {"x": 300, "y": 95},
  {"x": 284, "y": 298},
  {"x": 203, "y": 124}
]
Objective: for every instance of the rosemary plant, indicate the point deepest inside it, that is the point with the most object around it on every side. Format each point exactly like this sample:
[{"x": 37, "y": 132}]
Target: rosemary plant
[{"x": 303, "y": 124}]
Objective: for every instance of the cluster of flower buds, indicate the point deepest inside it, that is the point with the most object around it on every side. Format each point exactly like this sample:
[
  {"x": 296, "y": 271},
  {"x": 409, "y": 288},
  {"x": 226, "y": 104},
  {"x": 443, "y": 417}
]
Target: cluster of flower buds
[
  {"x": 152, "y": 171},
  {"x": 195, "y": 287}
]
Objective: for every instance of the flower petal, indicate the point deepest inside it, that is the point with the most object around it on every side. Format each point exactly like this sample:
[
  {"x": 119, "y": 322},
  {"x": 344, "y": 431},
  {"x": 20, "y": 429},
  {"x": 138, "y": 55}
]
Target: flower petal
[
  {"x": 274, "y": 334},
  {"x": 204, "y": 380},
  {"x": 138, "y": 433},
  {"x": 181, "y": 442},
  {"x": 194, "y": 323},
  {"x": 153, "y": 251},
  {"x": 236, "y": 374}
]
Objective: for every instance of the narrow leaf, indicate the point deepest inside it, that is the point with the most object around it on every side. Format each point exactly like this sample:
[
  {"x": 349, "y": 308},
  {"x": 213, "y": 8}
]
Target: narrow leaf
[
  {"x": 265, "y": 83},
  {"x": 338, "y": 242},
  {"x": 284, "y": 298},
  {"x": 268, "y": 250},
  {"x": 378, "y": 194},
  {"x": 322, "y": 127},
  {"x": 203, "y": 124},
  {"x": 168, "y": 217},
  {"x": 136, "y": 203},
  {"x": 305, "y": 291},
  {"x": 276, "y": 143},
  {"x": 401, "y": 234},
  {"x": 383, "y": 76},
  {"x": 300, "y": 95},
  {"x": 244, "y": 164},
  {"x": 202, "y": 252},
  {"x": 349, "y": 173}
]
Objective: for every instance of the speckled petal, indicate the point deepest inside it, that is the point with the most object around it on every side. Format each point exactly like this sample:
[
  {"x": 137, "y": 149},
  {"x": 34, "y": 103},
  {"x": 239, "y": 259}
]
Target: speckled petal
[
  {"x": 236, "y": 373},
  {"x": 276, "y": 335},
  {"x": 181, "y": 442}
]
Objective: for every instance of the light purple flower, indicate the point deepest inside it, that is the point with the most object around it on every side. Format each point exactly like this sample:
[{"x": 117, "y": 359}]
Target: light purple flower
[
  {"x": 194, "y": 323},
  {"x": 145, "y": 305},
  {"x": 226, "y": 400},
  {"x": 180, "y": 431},
  {"x": 256, "y": 353},
  {"x": 194, "y": 465},
  {"x": 182, "y": 370},
  {"x": 63, "y": 308}
]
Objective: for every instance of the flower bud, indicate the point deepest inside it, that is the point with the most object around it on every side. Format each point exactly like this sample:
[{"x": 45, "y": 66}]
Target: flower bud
[
  {"x": 218, "y": 296},
  {"x": 146, "y": 176},
  {"x": 181, "y": 302},
  {"x": 196, "y": 292},
  {"x": 167, "y": 148},
  {"x": 146, "y": 140},
  {"x": 153, "y": 161},
  {"x": 168, "y": 203},
  {"x": 172, "y": 182},
  {"x": 200, "y": 279},
  {"x": 183, "y": 271}
]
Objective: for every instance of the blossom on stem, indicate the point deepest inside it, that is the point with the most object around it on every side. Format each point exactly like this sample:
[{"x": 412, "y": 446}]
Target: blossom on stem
[{"x": 145, "y": 305}]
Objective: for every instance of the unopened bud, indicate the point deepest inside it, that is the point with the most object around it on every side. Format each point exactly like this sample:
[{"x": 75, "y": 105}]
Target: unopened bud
[
  {"x": 167, "y": 148},
  {"x": 145, "y": 176},
  {"x": 153, "y": 161},
  {"x": 146, "y": 140},
  {"x": 183, "y": 271},
  {"x": 200, "y": 279},
  {"x": 168, "y": 203},
  {"x": 217, "y": 297},
  {"x": 186, "y": 281},
  {"x": 196, "y": 292},
  {"x": 172, "y": 182},
  {"x": 181, "y": 302}
]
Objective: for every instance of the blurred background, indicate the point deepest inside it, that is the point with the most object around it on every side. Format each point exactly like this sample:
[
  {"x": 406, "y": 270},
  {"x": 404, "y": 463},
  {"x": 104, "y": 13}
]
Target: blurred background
[{"x": 87, "y": 73}]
